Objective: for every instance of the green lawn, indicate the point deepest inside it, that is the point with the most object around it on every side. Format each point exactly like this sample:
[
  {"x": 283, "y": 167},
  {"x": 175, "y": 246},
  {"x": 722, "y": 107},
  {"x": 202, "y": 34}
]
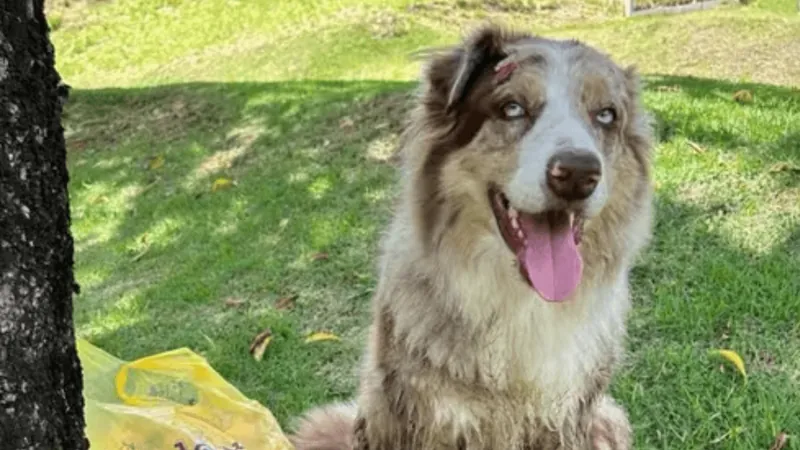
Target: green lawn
[{"x": 300, "y": 103}]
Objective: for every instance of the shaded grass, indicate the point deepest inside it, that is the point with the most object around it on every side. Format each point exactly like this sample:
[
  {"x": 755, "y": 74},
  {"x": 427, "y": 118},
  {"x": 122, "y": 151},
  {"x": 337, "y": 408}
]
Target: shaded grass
[
  {"x": 723, "y": 270},
  {"x": 159, "y": 252},
  {"x": 301, "y": 106}
]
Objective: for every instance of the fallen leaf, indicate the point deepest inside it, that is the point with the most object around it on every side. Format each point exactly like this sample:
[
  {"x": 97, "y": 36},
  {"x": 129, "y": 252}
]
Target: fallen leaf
[
  {"x": 139, "y": 255},
  {"x": 286, "y": 302},
  {"x": 179, "y": 108},
  {"x": 221, "y": 183},
  {"x": 784, "y": 167},
  {"x": 76, "y": 144},
  {"x": 260, "y": 344},
  {"x": 156, "y": 162},
  {"x": 322, "y": 336},
  {"x": 780, "y": 441},
  {"x": 234, "y": 301},
  {"x": 346, "y": 122},
  {"x": 696, "y": 147},
  {"x": 734, "y": 358},
  {"x": 99, "y": 199},
  {"x": 669, "y": 88},
  {"x": 321, "y": 256},
  {"x": 743, "y": 96}
]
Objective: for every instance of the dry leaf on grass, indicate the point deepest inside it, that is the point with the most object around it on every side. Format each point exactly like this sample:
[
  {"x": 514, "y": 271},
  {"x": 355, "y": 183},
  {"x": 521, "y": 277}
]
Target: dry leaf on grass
[
  {"x": 139, "y": 255},
  {"x": 780, "y": 442},
  {"x": 346, "y": 122},
  {"x": 669, "y": 88},
  {"x": 144, "y": 250},
  {"x": 234, "y": 302},
  {"x": 76, "y": 144},
  {"x": 286, "y": 302},
  {"x": 260, "y": 344},
  {"x": 784, "y": 167},
  {"x": 734, "y": 358},
  {"x": 99, "y": 199},
  {"x": 696, "y": 147},
  {"x": 156, "y": 162},
  {"x": 179, "y": 108},
  {"x": 221, "y": 183},
  {"x": 322, "y": 336},
  {"x": 743, "y": 96},
  {"x": 321, "y": 256}
]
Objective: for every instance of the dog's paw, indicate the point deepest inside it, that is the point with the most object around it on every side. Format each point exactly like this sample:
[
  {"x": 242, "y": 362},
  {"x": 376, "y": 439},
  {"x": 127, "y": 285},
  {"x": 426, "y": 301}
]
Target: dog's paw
[{"x": 610, "y": 429}]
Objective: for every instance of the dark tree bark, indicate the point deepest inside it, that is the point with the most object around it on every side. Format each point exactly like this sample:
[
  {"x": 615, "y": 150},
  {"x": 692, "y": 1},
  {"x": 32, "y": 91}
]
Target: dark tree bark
[{"x": 41, "y": 403}]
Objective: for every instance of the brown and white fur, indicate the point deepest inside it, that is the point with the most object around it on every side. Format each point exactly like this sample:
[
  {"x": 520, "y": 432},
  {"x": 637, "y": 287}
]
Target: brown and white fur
[{"x": 463, "y": 354}]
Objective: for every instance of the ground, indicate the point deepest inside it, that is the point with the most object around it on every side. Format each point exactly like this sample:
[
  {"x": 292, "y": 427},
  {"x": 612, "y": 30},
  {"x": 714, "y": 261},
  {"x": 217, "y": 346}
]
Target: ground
[{"x": 299, "y": 103}]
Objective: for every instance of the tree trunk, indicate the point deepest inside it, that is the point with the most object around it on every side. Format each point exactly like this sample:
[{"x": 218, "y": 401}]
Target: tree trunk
[{"x": 41, "y": 403}]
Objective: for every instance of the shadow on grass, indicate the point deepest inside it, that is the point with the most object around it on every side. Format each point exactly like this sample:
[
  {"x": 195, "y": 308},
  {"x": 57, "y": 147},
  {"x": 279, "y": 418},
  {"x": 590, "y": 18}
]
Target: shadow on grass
[
  {"x": 159, "y": 251},
  {"x": 162, "y": 256}
]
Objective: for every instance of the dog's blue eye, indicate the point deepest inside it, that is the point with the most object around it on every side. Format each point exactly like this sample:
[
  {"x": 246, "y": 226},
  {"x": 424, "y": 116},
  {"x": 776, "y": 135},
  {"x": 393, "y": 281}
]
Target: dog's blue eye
[
  {"x": 606, "y": 116},
  {"x": 513, "y": 110}
]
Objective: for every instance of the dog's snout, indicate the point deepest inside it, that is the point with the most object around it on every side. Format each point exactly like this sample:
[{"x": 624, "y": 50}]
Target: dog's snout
[{"x": 573, "y": 174}]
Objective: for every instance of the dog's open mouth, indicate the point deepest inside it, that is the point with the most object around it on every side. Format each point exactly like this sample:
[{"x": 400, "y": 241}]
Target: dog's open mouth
[{"x": 546, "y": 245}]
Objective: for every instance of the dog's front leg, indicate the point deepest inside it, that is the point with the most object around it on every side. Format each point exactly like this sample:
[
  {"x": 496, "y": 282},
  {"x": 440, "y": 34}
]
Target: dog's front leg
[{"x": 609, "y": 428}]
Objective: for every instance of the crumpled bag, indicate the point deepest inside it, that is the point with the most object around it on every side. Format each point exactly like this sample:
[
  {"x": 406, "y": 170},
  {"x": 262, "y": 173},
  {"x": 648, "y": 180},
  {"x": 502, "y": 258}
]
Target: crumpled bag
[{"x": 172, "y": 400}]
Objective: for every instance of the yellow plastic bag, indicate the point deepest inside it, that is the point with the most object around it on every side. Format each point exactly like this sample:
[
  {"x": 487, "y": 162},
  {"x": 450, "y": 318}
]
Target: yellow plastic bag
[{"x": 172, "y": 400}]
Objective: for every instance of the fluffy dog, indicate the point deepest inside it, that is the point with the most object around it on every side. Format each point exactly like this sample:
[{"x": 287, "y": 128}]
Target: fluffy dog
[{"x": 500, "y": 311}]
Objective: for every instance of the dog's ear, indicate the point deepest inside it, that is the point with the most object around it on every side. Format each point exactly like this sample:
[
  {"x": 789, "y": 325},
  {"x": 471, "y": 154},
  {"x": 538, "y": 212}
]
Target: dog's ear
[
  {"x": 482, "y": 51},
  {"x": 633, "y": 80},
  {"x": 450, "y": 75}
]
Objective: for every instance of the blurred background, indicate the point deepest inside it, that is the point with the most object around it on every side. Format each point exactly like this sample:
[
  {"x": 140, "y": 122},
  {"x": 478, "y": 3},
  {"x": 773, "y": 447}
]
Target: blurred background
[{"x": 232, "y": 168}]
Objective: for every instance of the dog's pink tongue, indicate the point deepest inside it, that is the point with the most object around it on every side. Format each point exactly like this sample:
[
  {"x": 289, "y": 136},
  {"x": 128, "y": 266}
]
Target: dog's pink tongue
[{"x": 550, "y": 257}]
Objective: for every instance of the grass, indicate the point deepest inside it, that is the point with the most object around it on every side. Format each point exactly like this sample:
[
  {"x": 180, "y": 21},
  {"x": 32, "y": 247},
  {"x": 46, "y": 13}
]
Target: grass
[{"x": 300, "y": 103}]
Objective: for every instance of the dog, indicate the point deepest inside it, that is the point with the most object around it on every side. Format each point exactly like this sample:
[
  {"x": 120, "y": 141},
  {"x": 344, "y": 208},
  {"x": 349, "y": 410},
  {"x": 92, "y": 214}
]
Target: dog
[{"x": 499, "y": 314}]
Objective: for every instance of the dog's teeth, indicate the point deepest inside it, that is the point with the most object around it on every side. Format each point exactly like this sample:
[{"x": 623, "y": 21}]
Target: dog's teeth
[
  {"x": 515, "y": 223},
  {"x": 520, "y": 234},
  {"x": 512, "y": 213},
  {"x": 571, "y": 219}
]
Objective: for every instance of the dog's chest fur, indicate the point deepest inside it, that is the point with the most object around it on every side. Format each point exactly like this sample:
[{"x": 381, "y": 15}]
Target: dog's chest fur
[{"x": 503, "y": 381}]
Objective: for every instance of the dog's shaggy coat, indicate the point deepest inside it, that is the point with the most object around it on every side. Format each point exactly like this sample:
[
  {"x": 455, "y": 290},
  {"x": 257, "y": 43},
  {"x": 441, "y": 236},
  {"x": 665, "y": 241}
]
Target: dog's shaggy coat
[{"x": 464, "y": 354}]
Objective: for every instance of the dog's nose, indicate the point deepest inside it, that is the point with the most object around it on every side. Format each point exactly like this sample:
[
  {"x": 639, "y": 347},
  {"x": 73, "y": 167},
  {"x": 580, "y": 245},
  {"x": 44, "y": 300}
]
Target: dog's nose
[{"x": 573, "y": 174}]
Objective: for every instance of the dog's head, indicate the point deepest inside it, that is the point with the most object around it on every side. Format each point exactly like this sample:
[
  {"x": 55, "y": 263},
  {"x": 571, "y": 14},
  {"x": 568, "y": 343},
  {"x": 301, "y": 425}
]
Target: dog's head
[{"x": 539, "y": 139}]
